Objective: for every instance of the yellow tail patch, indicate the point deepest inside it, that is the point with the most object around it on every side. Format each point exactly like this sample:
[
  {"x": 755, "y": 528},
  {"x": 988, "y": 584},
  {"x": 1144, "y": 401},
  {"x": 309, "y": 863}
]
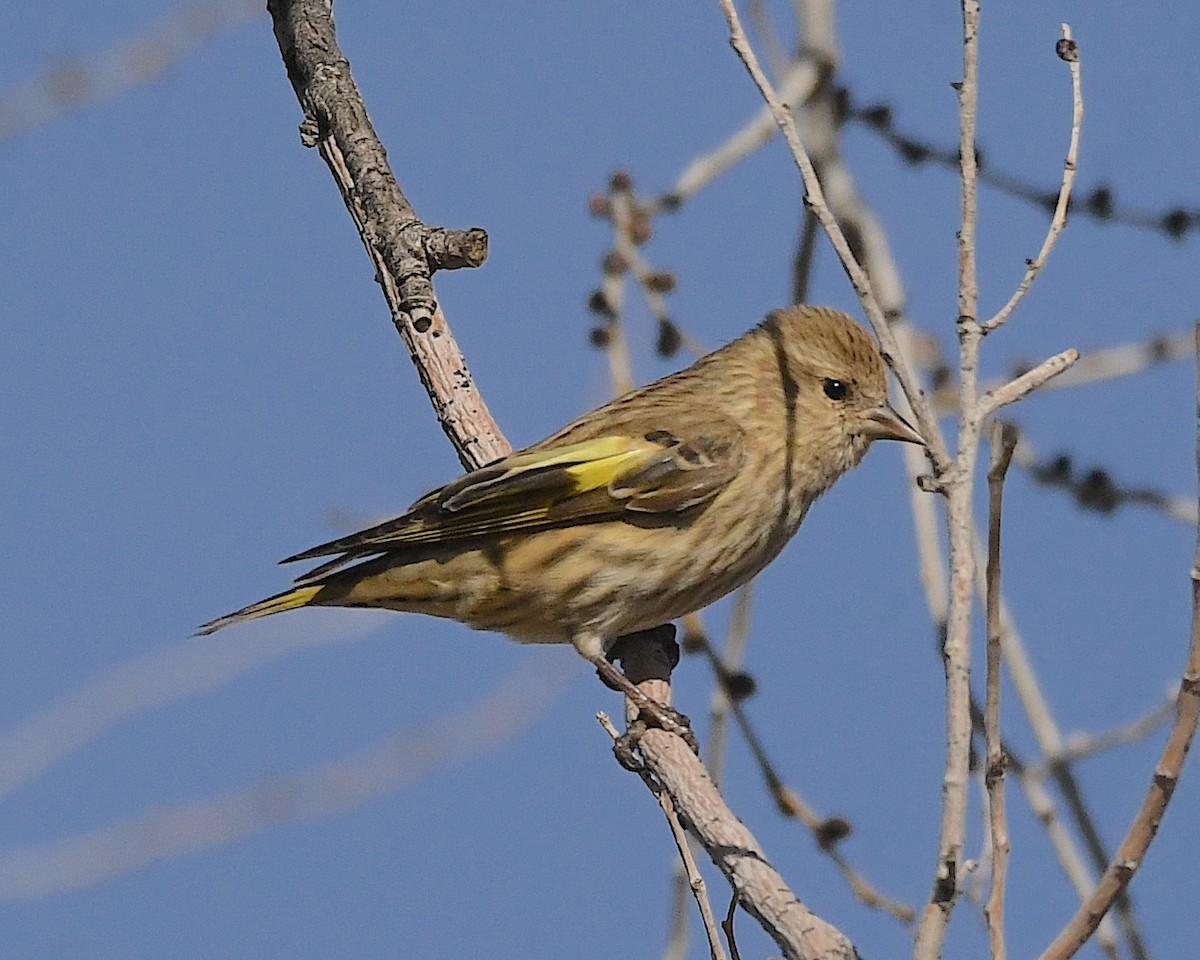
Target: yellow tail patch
[{"x": 290, "y": 600}]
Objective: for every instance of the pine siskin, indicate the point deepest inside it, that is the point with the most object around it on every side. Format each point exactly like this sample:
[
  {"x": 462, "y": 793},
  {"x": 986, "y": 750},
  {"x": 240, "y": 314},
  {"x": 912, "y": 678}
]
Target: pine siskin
[{"x": 639, "y": 512}]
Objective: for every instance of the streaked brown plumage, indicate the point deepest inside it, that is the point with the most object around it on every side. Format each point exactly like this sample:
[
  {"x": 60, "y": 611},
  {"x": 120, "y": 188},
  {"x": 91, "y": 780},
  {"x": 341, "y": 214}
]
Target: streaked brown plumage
[{"x": 640, "y": 511}]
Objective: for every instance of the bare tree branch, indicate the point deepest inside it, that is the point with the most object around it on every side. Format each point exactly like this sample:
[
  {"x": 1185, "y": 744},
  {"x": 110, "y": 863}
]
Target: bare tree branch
[
  {"x": 150, "y": 681},
  {"x": 1129, "y": 855},
  {"x": 348, "y": 782},
  {"x": 138, "y": 60},
  {"x": 404, "y": 250}
]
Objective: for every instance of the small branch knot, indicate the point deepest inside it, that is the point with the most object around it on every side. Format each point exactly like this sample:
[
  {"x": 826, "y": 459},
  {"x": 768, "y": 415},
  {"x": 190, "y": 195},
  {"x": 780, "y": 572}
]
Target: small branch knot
[
  {"x": 454, "y": 249},
  {"x": 310, "y": 133}
]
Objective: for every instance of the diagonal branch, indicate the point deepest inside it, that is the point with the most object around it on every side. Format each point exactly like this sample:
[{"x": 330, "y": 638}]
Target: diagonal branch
[
  {"x": 405, "y": 250},
  {"x": 1132, "y": 851}
]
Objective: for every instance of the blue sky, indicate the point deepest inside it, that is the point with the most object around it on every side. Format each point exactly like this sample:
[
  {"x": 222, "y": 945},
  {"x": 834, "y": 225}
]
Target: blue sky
[{"x": 199, "y": 377}]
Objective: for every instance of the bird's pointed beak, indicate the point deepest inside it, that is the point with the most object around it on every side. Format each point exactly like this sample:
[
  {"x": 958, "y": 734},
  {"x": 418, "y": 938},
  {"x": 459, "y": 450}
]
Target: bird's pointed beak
[{"x": 884, "y": 423}]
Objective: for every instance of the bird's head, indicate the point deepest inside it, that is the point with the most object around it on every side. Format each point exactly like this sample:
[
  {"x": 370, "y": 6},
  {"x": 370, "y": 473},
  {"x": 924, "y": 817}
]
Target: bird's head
[{"x": 835, "y": 371}]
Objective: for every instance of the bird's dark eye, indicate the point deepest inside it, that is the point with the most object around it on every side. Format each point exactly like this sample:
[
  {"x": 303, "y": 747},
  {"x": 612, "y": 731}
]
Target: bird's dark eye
[{"x": 835, "y": 389}]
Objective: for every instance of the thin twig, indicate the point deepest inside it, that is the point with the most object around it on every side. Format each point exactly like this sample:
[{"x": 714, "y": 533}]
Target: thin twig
[
  {"x": 667, "y": 762},
  {"x": 695, "y": 880},
  {"x": 727, "y": 926},
  {"x": 1111, "y": 363},
  {"x": 1068, "y": 50},
  {"x": 615, "y": 348},
  {"x": 513, "y": 706},
  {"x": 806, "y": 253},
  {"x": 1003, "y": 442},
  {"x": 677, "y": 936},
  {"x": 1100, "y": 203},
  {"x": 1082, "y": 746},
  {"x": 729, "y": 663},
  {"x": 768, "y": 36},
  {"x": 1038, "y": 714},
  {"x": 827, "y": 831},
  {"x": 1025, "y": 384},
  {"x": 761, "y": 891},
  {"x": 796, "y": 86},
  {"x": 1066, "y": 849}
]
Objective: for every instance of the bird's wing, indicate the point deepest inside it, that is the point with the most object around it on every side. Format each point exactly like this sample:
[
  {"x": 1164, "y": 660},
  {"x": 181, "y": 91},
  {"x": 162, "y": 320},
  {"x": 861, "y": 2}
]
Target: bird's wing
[{"x": 656, "y": 473}]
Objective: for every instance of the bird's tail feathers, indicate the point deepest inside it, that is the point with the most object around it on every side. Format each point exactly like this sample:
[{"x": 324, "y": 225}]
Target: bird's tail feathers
[{"x": 288, "y": 600}]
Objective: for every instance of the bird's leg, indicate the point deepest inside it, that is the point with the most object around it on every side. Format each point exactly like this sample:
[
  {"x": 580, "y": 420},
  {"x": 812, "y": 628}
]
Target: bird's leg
[{"x": 649, "y": 655}]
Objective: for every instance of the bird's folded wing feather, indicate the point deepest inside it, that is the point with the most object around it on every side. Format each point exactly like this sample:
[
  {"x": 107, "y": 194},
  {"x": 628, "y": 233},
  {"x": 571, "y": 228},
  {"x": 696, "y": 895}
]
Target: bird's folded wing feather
[{"x": 610, "y": 476}]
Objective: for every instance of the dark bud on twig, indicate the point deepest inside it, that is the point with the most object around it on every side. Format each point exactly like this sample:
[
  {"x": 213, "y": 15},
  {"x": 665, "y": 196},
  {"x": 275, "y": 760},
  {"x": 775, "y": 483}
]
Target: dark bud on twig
[
  {"x": 1159, "y": 349},
  {"x": 911, "y": 151},
  {"x": 599, "y": 206},
  {"x": 738, "y": 685},
  {"x": 1098, "y": 492},
  {"x": 598, "y": 337},
  {"x": 598, "y": 304},
  {"x": 832, "y": 830},
  {"x": 1058, "y": 470},
  {"x": 843, "y": 107},
  {"x": 661, "y": 281},
  {"x": 620, "y": 181},
  {"x": 640, "y": 229},
  {"x": 878, "y": 116},
  {"x": 669, "y": 340},
  {"x": 1067, "y": 50},
  {"x": 1100, "y": 203},
  {"x": 613, "y": 264},
  {"x": 670, "y": 202},
  {"x": 1177, "y": 223}
]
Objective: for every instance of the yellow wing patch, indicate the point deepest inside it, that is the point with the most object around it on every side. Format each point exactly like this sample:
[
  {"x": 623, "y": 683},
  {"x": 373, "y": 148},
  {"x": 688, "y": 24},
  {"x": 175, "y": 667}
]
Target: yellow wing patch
[{"x": 605, "y": 477}]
